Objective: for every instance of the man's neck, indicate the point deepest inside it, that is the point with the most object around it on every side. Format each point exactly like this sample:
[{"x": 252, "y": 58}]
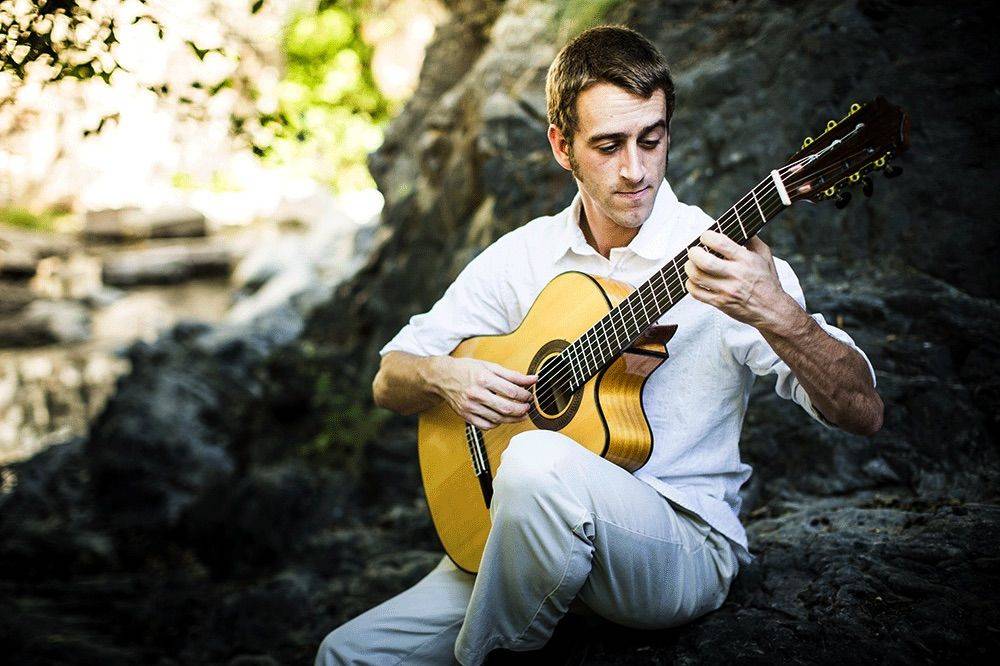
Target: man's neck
[{"x": 604, "y": 237}]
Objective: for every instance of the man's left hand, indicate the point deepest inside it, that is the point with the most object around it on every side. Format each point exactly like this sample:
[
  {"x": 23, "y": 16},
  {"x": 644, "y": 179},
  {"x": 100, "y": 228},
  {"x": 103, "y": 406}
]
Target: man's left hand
[{"x": 743, "y": 282}]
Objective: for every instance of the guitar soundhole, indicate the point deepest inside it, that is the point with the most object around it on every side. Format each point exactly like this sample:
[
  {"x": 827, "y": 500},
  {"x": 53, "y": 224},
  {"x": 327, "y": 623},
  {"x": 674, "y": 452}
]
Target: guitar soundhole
[
  {"x": 554, "y": 405},
  {"x": 552, "y": 400}
]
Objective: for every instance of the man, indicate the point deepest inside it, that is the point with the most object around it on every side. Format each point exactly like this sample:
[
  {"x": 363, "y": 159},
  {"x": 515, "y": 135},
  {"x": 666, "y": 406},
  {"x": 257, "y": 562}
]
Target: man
[{"x": 659, "y": 547}]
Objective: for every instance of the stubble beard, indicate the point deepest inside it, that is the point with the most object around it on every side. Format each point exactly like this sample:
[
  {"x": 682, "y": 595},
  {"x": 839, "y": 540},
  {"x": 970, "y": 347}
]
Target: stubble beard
[{"x": 575, "y": 170}]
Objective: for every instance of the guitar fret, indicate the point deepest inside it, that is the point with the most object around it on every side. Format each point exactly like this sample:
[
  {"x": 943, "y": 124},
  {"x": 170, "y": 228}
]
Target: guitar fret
[
  {"x": 596, "y": 348},
  {"x": 635, "y": 320},
  {"x": 679, "y": 277},
  {"x": 667, "y": 289},
  {"x": 572, "y": 364},
  {"x": 642, "y": 302},
  {"x": 742, "y": 230},
  {"x": 614, "y": 329},
  {"x": 657, "y": 308},
  {"x": 762, "y": 216},
  {"x": 588, "y": 347}
]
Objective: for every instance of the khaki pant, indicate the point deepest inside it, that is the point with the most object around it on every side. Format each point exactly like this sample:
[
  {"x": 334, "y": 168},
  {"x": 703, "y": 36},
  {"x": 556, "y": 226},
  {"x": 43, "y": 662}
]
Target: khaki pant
[{"x": 567, "y": 524}]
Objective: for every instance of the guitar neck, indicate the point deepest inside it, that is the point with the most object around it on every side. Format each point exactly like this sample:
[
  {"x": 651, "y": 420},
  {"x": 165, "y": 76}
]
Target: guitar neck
[{"x": 616, "y": 331}]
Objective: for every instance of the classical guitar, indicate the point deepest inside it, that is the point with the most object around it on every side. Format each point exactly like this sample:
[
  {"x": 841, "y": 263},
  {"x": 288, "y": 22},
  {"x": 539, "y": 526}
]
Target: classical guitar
[{"x": 592, "y": 362}]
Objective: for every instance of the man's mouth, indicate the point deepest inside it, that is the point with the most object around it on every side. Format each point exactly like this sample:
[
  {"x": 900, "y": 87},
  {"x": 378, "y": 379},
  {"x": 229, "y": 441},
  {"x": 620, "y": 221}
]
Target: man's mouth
[{"x": 633, "y": 194}]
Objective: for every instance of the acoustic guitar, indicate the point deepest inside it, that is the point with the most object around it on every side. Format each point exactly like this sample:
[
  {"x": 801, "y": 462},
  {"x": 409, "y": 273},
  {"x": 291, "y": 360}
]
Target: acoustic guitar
[{"x": 593, "y": 360}]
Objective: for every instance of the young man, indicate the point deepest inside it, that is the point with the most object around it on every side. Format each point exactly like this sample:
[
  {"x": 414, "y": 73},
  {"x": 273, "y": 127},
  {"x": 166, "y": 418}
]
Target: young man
[{"x": 659, "y": 547}]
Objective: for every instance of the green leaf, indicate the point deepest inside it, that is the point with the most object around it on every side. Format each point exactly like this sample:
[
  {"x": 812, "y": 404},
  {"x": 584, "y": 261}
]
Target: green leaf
[
  {"x": 224, "y": 83},
  {"x": 197, "y": 51}
]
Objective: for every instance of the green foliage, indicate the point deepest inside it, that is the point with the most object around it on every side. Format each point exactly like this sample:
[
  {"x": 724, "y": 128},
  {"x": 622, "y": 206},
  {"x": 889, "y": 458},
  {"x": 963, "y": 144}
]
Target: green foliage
[
  {"x": 575, "y": 16},
  {"x": 330, "y": 110},
  {"x": 350, "y": 421},
  {"x": 17, "y": 216},
  {"x": 75, "y": 39}
]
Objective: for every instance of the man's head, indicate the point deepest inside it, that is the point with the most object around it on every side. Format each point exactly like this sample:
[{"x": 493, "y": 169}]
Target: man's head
[{"x": 610, "y": 99}]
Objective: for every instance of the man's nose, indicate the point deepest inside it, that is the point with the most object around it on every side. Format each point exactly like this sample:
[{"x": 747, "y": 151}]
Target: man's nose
[{"x": 631, "y": 168}]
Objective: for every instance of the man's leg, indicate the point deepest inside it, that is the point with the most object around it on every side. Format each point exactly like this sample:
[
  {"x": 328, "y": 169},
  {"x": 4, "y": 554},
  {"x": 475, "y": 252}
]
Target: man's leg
[
  {"x": 417, "y": 626},
  {"x": 568, "y": 522}
]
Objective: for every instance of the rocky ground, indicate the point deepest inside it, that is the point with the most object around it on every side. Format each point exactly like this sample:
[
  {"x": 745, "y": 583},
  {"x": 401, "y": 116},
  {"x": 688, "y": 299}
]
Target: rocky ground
[{"x": 238, "y": 498}]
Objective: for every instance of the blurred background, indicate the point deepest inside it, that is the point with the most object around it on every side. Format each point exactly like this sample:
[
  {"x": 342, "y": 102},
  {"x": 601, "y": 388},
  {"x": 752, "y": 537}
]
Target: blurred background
[
  {"x": 214, "y": 213},
  {"x": 165, "y": 160}
]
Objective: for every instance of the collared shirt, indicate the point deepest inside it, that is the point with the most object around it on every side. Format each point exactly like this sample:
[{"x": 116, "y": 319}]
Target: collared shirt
[{"x": 695, "y": 401}]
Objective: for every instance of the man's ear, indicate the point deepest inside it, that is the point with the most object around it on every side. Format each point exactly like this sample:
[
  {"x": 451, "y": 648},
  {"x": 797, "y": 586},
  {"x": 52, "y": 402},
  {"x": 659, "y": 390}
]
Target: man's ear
[{"x": 560, "y": 147}]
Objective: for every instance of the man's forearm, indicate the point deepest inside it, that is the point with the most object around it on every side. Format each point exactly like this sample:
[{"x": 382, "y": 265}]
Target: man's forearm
[
  {"x": 834, "y": 375},
  {"x": 407, "y": 383}
]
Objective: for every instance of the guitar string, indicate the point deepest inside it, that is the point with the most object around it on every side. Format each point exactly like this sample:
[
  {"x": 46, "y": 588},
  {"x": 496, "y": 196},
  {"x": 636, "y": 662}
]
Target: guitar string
[
  {"x": 668, "y": 286},
  {"x": 725, "y": 226}
]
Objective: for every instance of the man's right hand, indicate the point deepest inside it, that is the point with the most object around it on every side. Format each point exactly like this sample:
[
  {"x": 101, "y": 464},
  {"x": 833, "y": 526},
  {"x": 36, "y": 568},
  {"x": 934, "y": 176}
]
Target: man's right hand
[{"x": 483, "y": 393}]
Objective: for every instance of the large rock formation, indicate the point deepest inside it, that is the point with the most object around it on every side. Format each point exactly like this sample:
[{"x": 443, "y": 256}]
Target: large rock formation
[{"x": 234, "y": 502}]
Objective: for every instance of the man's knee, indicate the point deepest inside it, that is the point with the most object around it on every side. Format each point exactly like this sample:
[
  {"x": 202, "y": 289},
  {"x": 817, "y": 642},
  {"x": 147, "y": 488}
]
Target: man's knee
[
  {"x": 534, "y": 465},
  {"x": 338, "y": 648}
]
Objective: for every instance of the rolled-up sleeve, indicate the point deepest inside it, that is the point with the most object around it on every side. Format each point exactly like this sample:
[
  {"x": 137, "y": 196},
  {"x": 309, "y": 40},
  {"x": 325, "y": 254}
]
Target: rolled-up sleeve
[
  {"x": 472, "y": 305},
  {"x": 750, "y": 348}
]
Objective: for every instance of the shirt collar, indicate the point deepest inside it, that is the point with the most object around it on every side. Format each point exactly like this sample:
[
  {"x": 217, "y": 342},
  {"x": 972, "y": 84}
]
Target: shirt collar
[{"x": 650, "y": 243}]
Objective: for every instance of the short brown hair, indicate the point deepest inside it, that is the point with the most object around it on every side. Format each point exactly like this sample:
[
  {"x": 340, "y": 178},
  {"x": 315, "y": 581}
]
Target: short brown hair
[{"x": 613, "y": 54}]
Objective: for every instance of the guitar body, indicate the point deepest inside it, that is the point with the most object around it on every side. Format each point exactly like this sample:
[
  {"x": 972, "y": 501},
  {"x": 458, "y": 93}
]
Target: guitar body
[{"x": 605, "y": 416}]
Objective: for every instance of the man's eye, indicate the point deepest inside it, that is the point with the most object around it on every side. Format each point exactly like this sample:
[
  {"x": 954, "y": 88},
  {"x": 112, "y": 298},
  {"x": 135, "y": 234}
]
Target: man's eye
[
  {"x": 607, "y": 150},
  {"x": 650, "y": 144}
]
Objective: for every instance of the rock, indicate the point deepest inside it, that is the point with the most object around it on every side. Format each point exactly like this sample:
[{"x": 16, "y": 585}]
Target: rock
[
  {"x": 45, "y": 322},
  {"x": 21, "y": 250},
  {"x": 50, "y": 395},
  {"x": 166, "y": 264},
  {"x": 164, "y": 437},
  {"x": 17, "y": 262},
  {"x": 77, "y": 277},
  {"x": 289, "y": 275},
  {"x": 14, "y": 296},
  {"x": 133, "y": 223},
  {"x": 844, "y": 582},
  {"x": 107, "y": 224},
  {"x": 169, "y": 222},
  {"x": 270, "y": 254},
  {"x": 263, "y": 518}
]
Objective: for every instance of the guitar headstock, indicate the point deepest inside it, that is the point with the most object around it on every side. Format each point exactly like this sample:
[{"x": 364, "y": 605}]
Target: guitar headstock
[{"x": 846, "y": 152}]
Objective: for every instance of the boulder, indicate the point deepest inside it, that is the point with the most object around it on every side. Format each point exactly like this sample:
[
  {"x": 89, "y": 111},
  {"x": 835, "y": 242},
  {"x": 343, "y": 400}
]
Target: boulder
[
  {"x": 44, "y": 322},
  {"x": 132, "y": 223},
  {"x": 21, "y": 250},
  {"x": 166, "y": 264}
]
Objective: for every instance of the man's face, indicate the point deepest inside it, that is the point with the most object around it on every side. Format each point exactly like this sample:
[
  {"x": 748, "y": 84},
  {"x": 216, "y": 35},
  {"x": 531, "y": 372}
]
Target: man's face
[{"x": 619, "y": 153}]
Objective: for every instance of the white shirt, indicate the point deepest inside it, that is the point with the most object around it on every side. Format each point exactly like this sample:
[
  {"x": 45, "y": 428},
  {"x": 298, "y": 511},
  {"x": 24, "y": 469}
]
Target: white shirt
[{"x": 695, "y": 400}]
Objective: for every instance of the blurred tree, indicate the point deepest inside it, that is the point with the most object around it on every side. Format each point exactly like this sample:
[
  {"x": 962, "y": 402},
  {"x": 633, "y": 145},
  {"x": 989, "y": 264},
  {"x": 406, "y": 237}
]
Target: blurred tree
[
  {"x": 60, "y": 39},
  {"x": 330, "y": 110},
  {"x": 326, "y": 109}
]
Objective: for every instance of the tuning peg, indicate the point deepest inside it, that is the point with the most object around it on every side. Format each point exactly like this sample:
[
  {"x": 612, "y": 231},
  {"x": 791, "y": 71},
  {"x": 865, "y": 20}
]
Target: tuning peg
[
  {"x": 892, "y": 171},
  {"x": 843, "y": 198},
  {"x": 867, "y": 187}
]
